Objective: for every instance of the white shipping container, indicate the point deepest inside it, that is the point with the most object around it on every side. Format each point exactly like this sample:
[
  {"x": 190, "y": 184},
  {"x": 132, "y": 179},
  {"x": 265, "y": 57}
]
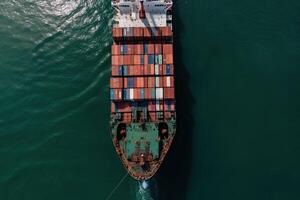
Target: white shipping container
[
  {"x": 156, "y": 69},
  {"x": 168, "y": 81},
  {"x": 157, "y": 82},
  {"x": 158, "y": 106},
  {"x": 159, "y": 93},
  {"x": 131, "y": 93}
]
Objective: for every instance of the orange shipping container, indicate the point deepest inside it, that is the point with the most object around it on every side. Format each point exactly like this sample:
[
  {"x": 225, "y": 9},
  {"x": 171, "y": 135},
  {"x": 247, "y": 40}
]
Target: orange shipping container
[
  {"x": 117, "y": 32},
  {"x": 158, "y": 81},
  {"x": 168, "y": 49},
  {"x": 139, "y": 49},
  {"x": 115, "y": 49},
  {"x": 116, "y": 83},
  {"x": 150, "y": 82},
  {"x": 167, "y": 58},
  {"x": 149, "y": 70},
  {"x": 138, "y": 32},
  {"x": 117, "y": 59},
  {"x": 169, "y": 105},
  {"x": 140, "y": 82},
  {"x": 127, "y": 60}
]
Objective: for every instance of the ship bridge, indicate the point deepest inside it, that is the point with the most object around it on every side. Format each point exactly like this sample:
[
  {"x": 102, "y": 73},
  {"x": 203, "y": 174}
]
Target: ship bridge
[{"x": 128, "y": 13}]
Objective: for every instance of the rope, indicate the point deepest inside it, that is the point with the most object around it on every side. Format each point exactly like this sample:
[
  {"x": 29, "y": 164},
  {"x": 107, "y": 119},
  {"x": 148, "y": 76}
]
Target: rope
[{"x": 116, "y": 187}]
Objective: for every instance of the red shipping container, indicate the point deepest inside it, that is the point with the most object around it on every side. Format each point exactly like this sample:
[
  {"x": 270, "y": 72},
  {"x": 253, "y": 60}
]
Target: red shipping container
[
  {"x": 168, "y": 81},
  {"x": 167, "y": 58},
  {"x": 113, "y": 107},
  {"x": 116, "y": 83},
  {"x": 137, "y": 59},
  {"x": 168, "y": 70},
  {"x": 115, "y": 71},
  {"x": 139, "y": 82},
  {"x": 115, "y": 49},
  {"x": 149, "y": 48},
  {"x": 167, "y": 48},
  {"x": 152, "y": 116},
  {"x": 149, "y": 69},
  {"x": 169, "y": 105},
  {"x": 139, "y": 49},
  {"x": 127, "y": 60},
  {"x": 150, "y": 82},
  {"x": 166, "y": 31},
  {"x": 117, "y": 32},
  {"x": 158, "y": 49},
  {"x": 136, "y": 70},
  {"x": 157, "y": 32},
  {"x": 137, "y": 93},
  {"x": 138, "y": 32},
  {"x": 147, "y": 93},
  {"x": 169, "y": 93},
  {"x": 116, "y": 59}
]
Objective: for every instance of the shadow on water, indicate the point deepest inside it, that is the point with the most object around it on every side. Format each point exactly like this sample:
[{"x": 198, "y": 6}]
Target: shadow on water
[{"x": 174, "y": 173}]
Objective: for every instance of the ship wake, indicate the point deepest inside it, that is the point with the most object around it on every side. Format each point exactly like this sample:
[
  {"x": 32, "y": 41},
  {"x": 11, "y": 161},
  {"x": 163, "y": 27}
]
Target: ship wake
[{"x": 147, "y": 190}]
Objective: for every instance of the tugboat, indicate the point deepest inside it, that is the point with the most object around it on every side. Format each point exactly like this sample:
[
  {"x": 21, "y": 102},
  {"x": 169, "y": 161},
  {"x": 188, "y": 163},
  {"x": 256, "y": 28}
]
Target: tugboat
[{"x": 142, "y": 92}]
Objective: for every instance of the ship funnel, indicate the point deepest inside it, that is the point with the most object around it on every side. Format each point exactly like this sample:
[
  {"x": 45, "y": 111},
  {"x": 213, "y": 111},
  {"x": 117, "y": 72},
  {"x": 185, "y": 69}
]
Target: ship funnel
[{"x": 142, "y": 13}]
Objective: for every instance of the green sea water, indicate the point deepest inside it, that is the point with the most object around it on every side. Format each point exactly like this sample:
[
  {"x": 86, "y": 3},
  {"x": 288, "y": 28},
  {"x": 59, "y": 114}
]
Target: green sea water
[{"x": 238, "y": 101}]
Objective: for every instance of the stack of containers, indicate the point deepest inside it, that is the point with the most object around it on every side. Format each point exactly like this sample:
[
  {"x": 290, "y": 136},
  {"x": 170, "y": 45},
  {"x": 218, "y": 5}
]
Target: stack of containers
[{"x": 142, "y": 72}]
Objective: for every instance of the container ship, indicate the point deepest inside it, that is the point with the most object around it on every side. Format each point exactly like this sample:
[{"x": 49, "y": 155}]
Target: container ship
[{"x": 142, "y": 95}]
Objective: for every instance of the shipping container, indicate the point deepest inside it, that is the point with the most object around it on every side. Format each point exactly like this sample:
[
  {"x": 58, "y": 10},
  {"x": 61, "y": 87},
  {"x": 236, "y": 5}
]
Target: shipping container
[
  {"x": 139, "y": 82},
  {"x": 138, "y": 32},
  {"x": 115, "y": 94},
  {"x": 168, "y": 81},
  {"x": 166, "y": 31},
  {"x": 158, "y": 59},
  {"x": 158, "y": 69},
  {"x": 149, "y": 93},
  {"x": 138, "y": 59},
  {"x": 159, "y": 106},
  {"x": 149, "y": 59},
  {"x": 149, "y": 69},
  {"x": 128, "y": 32},
  {"x": 116, "y": 82},
  {"x": 167, "y": 58},
  {"x": 167, "y": 48},
  {"x": 152, "y": 106},
  {"x": 115, "y": 49},
  {"x": 121, "y": 107},
  {"x": 117, "y": 70},
  {"x": 150, "y": 82},
  {"x": 158, "y": 81},
  {"x": 168, "y": 69},
  {"x": 117, "y": 33},
  {"x": 133, "y": 70},
  {"x": 169, "y": 93},
  {"x": 117, "y": 60},
  {"x": 158, "y": 49},
  {"x": 169, "y": 105},
  {"x": 159, "y": 93},
  {"x": 138, "y": 49},
  {"x": 149, "y": 48},
  {"x": 129, "y": 82}
]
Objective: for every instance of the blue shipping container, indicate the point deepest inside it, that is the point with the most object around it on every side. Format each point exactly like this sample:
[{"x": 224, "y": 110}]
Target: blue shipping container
[
  {"x": 125, "y": 70},
  {"x": 150, "y": 59},
  {"x": 142, "y": 59},
  {"x": 142, "y": 93},
  {"x": 146, "y": 48},
  {"x": 168, "y": 69}
]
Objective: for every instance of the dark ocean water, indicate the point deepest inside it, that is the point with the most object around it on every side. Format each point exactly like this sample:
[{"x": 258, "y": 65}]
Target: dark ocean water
[{"x": 238, "y": 94}]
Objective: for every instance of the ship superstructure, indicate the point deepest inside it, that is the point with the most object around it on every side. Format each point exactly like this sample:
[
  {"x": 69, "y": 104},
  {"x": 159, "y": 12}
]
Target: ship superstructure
[{"x": 142, "y": 92}]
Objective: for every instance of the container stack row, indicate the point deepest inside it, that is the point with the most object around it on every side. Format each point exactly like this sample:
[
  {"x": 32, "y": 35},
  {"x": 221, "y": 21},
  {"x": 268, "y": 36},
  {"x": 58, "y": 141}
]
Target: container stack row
[{"x": 142, "y": 33}]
